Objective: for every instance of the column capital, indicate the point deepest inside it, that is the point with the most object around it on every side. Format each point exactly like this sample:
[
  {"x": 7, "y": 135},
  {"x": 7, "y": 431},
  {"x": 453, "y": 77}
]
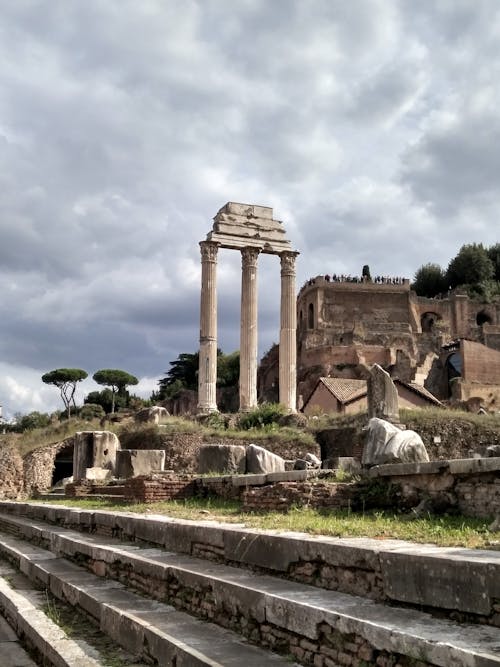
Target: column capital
[
  {"x": 249, "y": 257},
  {"x": 287, "y": 260},
  {"x": 209, "y": 251}
]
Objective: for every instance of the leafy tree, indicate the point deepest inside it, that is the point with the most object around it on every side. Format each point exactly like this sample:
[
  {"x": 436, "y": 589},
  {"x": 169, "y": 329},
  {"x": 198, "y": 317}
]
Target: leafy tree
[
  {"x": 183, "y": 373},
  {"x": 104, "y": 399},
  {"x": 116, "y": 379},
  {"x": 429, "y": 280},
  {"x": 65, "y": 379},
  {"x": 90, "y": 411},
  {"x": 471, "y": 266},
  {"x": 30, "y": 421},
  {"x": 228, "y": 369},
  {"x": 494, "y": 255}
]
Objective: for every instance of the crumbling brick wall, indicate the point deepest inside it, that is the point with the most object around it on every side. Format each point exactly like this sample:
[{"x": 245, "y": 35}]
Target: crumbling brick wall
[
  {"x": 11, "y": 477},
  {"x": 159, "y": 488},
  {"x": 283, "y": 495},
  {"x": 39, "y": 466}
]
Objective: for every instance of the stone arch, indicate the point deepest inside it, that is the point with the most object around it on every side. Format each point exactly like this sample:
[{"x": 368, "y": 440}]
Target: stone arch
[
  {"x": 428, "y": 321},
  {"x": 310, "y": 316},
  {"x": 483, "y": 318}
]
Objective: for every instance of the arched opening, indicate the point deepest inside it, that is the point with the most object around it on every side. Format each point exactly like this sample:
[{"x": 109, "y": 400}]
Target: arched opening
[
  {"x": 483, "y": 318},
  {"x": 301, "y": 319},
  {"x": 63, "y": 464},
  {"x": 310, "y": 319},
  {"x": 428, "y": 322}
]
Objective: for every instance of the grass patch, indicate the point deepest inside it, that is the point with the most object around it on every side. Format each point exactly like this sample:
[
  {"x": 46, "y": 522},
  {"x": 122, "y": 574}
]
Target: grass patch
[
  {"x": 434, "y": 416},
  {"x": 441, "y": 530},
  {"x": 40, "y": 437}
]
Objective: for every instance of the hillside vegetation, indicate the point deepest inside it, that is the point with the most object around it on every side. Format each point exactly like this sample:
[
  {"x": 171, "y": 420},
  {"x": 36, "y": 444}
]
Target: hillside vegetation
[{"x": 457, "y": 431}]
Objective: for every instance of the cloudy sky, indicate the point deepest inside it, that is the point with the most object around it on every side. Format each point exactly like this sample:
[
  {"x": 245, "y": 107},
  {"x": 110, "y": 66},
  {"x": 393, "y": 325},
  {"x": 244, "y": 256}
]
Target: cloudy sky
[{"x": 370, "y": 126}]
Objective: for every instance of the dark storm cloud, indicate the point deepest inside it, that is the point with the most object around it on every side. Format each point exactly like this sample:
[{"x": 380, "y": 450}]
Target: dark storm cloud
[{"x": 369, "y": 126}]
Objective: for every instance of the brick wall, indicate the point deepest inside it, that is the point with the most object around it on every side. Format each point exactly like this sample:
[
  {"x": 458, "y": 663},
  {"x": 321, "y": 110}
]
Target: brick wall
[
  {"x": 284, "y": 495},
  {"x": 159, "y": 488},
  {"x": 479, "y": 363}
]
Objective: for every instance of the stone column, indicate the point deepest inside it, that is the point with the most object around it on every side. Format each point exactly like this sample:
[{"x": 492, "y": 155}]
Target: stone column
[
  {"x": 288, "y": 333},
  {"x": 248, "y": 330},
  {"x": 207, "y": 375}
]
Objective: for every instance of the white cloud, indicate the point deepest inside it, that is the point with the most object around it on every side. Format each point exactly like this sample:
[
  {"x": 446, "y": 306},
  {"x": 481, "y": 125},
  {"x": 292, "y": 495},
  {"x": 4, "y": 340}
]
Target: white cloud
[{"x": 125, "y": 127}]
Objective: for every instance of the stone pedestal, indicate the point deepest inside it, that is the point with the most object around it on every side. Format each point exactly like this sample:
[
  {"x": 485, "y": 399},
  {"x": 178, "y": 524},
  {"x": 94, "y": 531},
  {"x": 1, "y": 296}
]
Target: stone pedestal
[
  {"x": 94, "y": 449},
  {"x": 288, "y": 335},
  {"x": 207, "y": 376},
  {"x": 248, "y": 330}
]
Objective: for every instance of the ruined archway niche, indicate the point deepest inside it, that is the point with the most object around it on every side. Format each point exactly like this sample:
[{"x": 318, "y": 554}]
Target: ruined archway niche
[
  {"x": 483, "y": 318},
  {"x": 428, "y": 322},
  {"x": 251, "y": 230}
]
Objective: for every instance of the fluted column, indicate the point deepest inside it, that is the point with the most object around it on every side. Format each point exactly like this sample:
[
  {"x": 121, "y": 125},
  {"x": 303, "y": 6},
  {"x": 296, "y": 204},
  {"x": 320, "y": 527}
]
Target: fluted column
[
  {"x": 288, "y": 333},
  {"x": 248, "y": 329},
  {"x": 207, "y": 375}
]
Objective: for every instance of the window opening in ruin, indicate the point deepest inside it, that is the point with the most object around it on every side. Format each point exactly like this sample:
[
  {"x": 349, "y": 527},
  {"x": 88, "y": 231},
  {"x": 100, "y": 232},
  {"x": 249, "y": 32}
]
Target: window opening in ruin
[
  {"x": 483, "y": 318},
  {"x": 301, "y": 320},
  {"x": 63, "y": 466},
  {"x": 310, "y": 322},
  {"x": 428, "y": 322}
]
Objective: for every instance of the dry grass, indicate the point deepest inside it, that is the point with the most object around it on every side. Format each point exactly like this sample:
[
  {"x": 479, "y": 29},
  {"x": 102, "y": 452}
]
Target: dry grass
[{"x": 441, "y": 530}]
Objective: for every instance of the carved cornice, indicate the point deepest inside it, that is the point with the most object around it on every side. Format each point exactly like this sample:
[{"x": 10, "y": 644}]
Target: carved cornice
[{"x": 209, "y": 251}]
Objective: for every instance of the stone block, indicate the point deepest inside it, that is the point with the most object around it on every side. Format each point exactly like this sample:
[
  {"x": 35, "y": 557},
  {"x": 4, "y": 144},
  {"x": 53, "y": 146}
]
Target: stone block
[
  {"x": 386, "y": 443},
  {"x": 222, "y": 458},
  {"x": 134, "y": 462},
  {"x": 98, "y": 474},
  {"x": 94, "y": 449},
  {"x": 248, "y": 480},
  {"x": 288, "y": 476},
  {"x": 154, "y": 415},
  {"x": 434, "y": 581},
  {"x": 260, "y": 460},
  {"x": 348, "y": 464}
]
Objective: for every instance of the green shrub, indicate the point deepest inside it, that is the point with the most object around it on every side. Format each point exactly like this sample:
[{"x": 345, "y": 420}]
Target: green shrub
[
  {"x": 90, "y": 411},
  {"x": 265, "y": 415}
]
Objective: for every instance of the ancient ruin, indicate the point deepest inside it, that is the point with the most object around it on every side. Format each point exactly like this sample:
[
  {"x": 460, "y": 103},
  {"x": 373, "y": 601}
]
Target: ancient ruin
[
  {"x": 383, "y": 401},
  {"x": 449, "y": 345},
  {"x": 251, "y": 230}
]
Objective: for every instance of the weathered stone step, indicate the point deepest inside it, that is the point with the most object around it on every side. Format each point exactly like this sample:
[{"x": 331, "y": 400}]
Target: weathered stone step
[
  {"x": 27, "y": 619},
  {"x": 291, "y": 611},
  {"x": 142, "y": 626},
  {"x": 403, "y": 572},
  {"x": 11, "y": 652}
]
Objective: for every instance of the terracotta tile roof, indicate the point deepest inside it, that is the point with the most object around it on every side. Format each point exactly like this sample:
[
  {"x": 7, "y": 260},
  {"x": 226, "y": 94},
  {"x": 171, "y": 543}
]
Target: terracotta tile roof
[
  {"x": 422, "y": 391},
  {"x": 345, "y": 390}
]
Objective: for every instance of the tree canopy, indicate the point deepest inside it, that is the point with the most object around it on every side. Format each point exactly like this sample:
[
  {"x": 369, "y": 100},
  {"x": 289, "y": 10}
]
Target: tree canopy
[
  {"x": 474, "y": 267},
  {"x": 470, "y": 266},
  {"x": 494, "y": 255},
  {"x": 116, "y": 379},
  {"x": 65, "y": 379},
  {"x": 183, "y": 373},
  {"x": 429, "y": 280}
]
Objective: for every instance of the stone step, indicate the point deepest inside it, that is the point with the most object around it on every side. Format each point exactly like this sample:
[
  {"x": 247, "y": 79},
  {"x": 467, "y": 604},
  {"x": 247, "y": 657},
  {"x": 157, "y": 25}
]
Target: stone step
[
  {"x": 11, "y": 651},
  {"x": 146, "y": 627},
  {"x": 302, "y": 617},
  {"x": 26, "y": 618},
  {"x": 410, "y": 574}
]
